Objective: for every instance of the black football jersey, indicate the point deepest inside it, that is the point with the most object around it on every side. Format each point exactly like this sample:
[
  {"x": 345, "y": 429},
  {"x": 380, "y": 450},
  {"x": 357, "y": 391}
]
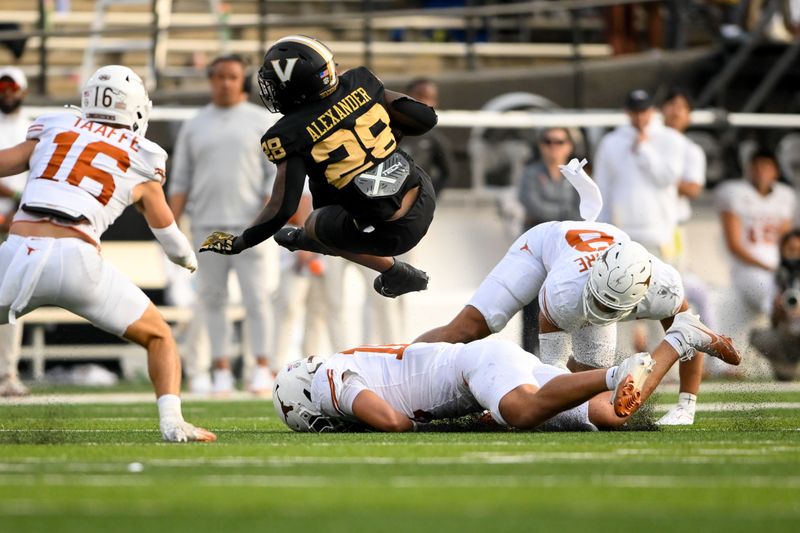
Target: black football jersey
[{"x": 348, "y": 148}]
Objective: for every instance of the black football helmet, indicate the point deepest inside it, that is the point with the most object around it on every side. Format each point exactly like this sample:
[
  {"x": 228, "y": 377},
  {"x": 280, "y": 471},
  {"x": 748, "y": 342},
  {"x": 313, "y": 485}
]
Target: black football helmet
[{"x": 296, "y": 69}]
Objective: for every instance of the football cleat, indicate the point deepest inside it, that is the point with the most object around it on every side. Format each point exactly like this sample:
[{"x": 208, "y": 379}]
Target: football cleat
[
  {"x": 400, "y": 279},
  {"x": 680, "y": 415},
  {"x": 222, "y": 382},
  {"x": 11, "y": 386},
  {"x": 262, "y": 382},
  {"x": 629, "y": 379},
  {"x": 182, "y": 431},
  {"x": 694, "y": 336}
]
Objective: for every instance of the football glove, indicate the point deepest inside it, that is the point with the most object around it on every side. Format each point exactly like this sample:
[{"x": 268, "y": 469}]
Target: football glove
[{"x": 222, "y": 243}]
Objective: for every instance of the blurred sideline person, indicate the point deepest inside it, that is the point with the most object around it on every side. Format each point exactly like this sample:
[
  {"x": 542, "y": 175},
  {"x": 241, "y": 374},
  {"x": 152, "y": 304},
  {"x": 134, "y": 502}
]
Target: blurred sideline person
[
  {"x": 431, "y": 150},
  {"x": 371, "y": 202},
  {"x": 676, "y": 110},
  {"x": 310, "y": 288},
  {"x": 587, "y": 276},
  {"x": 755, "y": 212},
  {"x": 13, "y": 129},
  {"x": 397, "y": 387},
  {"x": 780, "y": 343},
  {"x": 545, "y": 196},
  {"x": 638, "y": 167},
  {"x": 221, "y": 179},
  {"x": 85, "y": 170}
]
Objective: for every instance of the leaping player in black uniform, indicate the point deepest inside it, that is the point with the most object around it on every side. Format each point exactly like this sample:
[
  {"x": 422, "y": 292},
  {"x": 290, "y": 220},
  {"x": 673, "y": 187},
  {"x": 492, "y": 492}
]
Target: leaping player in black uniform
[{"x": 371, "y": 202}]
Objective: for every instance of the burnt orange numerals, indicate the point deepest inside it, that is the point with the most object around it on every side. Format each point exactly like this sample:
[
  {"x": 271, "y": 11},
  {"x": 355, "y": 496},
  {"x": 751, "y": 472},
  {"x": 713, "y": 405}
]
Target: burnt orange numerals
[
  {"x": 389, "y": 349},
  {"x": 83, "y": 167},
  {"x": 588, "y": 240}
]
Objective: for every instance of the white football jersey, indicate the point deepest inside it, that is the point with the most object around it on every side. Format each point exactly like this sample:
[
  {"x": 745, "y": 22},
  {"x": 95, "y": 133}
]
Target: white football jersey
[
  {"x": 762, "y": 217},
  {"x": 85, "y": 171},
  {"x": 552, "y": 262},
  {"x": 418, "y": 380}
]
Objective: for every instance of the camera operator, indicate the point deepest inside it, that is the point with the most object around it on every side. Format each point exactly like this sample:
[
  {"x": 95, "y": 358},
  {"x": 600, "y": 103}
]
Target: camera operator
[{"x": 780, "y": 343}]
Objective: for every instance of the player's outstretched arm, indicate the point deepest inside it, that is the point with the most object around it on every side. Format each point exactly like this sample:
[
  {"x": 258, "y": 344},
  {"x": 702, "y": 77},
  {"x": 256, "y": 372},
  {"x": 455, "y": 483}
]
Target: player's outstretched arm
[
  {"x": 15, "y": 160},
  {"x": 283, "y": 203},
  {"x": 467, "y": 326},
  {"x": 374, "y": 411},
  {"x": 150, "y": 200}
]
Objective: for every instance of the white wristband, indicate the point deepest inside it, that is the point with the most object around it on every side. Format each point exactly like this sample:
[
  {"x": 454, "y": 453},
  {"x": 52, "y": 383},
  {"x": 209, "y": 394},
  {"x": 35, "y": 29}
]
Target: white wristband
[{"x": 176, "y": 246}]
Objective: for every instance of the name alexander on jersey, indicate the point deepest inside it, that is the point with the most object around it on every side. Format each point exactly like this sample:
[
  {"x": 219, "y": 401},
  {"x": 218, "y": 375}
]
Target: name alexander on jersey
[{"x": 338, "y": 112}]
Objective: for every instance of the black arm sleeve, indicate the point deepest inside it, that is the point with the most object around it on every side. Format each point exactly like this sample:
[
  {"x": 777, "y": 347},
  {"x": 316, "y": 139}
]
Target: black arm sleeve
[
  {"x": 283, "y": 203},
  {"x": 411, "y": 117}
]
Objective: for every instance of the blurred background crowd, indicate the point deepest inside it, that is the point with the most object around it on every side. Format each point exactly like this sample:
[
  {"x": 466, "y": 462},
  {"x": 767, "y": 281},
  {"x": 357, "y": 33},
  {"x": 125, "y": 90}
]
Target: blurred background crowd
[{"x": 707, "y": 88}]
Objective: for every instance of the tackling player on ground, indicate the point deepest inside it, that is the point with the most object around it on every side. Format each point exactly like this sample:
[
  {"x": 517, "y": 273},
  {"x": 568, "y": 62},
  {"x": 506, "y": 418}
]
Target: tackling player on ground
[
  {"x": 396, "y": 387},
  {"x": 371, "y": 202},
  {"x": 84, "y": 171}
]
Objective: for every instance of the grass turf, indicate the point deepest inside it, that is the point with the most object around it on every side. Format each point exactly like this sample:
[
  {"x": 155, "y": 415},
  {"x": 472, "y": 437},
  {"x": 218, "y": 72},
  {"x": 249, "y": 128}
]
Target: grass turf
[{"x": 66, "y": 468}]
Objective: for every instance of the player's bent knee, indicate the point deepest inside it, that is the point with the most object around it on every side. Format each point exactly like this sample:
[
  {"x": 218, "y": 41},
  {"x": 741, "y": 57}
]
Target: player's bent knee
[{"x": 150, "y": 327}]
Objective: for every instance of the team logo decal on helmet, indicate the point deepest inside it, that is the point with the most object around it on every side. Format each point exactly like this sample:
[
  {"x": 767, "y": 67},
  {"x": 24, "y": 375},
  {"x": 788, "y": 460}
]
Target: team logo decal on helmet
[{"x": 297, "y": 69}]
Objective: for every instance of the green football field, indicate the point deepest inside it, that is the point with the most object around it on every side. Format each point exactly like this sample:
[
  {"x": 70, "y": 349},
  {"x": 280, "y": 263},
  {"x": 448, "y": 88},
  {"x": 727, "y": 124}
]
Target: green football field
[{"x": 66, "y": 467}]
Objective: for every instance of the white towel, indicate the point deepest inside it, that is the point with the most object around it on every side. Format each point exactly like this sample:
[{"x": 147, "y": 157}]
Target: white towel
[
  {"x": 591, "y": 199},
  {"x": 23, "y": 274}
]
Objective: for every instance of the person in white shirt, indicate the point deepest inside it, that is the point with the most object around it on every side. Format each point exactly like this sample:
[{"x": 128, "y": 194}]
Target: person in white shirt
[
  {"x": 755, "y": 213},
  {"x": 397, "y": 387},
  {"x": 221, "y": 179},
  {"x": 637, "y": 168},
  {"x": 84, "y": 172},
  {"x": 13, "y": 128}
]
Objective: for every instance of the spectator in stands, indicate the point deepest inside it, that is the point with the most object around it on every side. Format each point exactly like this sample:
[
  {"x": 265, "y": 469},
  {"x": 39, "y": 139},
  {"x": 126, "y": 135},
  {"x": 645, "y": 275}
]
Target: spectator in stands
[
  {"x": 221, "y": 178},
  {"x": 755, "y": 213},
  {"x": 545, "y": 196},
  {"x": 13, "y": 128},
  {"x": 431, "y": 150},
  {"x": 676, "y": 110}
]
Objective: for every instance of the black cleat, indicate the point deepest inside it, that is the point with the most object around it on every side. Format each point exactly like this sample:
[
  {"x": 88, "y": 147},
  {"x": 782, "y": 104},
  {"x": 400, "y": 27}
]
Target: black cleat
[
  {"x": 294, "y": 239},
  {"x": 400, "y": 279}
]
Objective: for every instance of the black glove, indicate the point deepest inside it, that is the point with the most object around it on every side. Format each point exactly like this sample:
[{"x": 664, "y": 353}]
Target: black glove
[{"x": 223, "y": 243}]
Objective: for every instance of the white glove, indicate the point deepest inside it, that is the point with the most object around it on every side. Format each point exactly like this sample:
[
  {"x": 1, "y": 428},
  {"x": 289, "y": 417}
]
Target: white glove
[
  {"x": 591, "y": 199},
  {"x": 189, "y": 262},
  {"x": 175, "y": 430}
]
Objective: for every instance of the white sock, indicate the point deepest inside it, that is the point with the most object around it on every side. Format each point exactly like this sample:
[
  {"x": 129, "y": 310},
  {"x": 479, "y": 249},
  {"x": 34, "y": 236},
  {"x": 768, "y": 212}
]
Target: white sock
[
  {"x": 610, "y": 373},
  {"x": 687, "y": 399},
  {"x": 676, "y": 340},
  {"x": 169, "y": 407}
]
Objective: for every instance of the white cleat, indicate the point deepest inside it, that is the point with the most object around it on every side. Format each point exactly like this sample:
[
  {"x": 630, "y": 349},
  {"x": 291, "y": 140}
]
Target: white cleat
[
  {"x": 262, "y": 382},
  {"x": 182, "y": 431},
  {"x": 680, "y": 415},
  {"x": 222, "y": 382},
  {"x": 695, "y": 336},
  {"x": 629, "y": 379},
  {"x": 11, "y": 386}
]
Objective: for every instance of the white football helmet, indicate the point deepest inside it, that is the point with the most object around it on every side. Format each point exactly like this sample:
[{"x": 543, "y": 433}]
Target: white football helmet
[
  {"x": 116, "y": 95},
  {"x": 291, "y": 397},
  {"x": 617, "y": 282}
]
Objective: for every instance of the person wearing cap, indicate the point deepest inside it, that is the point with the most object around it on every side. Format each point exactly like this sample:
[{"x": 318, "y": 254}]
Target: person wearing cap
[
  {"x": 638, "y": 167},
  {"x": 13, "y": 128}
]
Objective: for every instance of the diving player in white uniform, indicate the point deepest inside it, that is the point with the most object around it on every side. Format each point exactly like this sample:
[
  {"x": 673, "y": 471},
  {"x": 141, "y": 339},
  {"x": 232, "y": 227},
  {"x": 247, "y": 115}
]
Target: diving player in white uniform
[
  {"x": 587, "y": 276},
  {"x": 84, "y": 171},
  {"x": 396, "y": 387}
]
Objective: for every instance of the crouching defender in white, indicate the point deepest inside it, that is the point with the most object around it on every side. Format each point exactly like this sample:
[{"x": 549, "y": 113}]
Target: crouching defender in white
[
  {"x": 84, "y": 171},
  {"x": 395, "y": 387}
]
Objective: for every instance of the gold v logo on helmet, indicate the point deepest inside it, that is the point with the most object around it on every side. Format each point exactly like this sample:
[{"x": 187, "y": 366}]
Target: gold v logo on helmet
[{"x": 284, "y": 75}]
